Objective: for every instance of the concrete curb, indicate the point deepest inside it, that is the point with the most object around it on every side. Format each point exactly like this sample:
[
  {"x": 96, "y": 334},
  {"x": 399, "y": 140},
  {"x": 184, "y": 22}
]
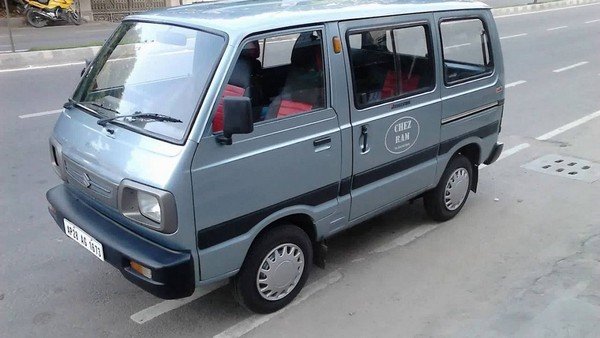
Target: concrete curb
[
  {"x": 46, "y": 58},
  {"x": 540, "y": 7}
]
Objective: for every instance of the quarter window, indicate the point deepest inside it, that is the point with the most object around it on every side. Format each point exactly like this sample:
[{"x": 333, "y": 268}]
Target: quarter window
[
  {"x": 390, "y": 63},
  {"x": 466, "y": 50},
  {"x": 282, "y": 75}
]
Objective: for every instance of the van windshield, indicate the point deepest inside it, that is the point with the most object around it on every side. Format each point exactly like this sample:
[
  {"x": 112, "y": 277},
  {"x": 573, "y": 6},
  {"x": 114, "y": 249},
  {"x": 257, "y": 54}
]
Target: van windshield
[{"x": 148, "y": 68}]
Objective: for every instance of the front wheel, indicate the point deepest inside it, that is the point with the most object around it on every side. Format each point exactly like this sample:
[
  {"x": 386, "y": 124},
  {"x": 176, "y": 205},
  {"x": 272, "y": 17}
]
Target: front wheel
[
  {"x": 74, "y": 18},
  {"x": 35, "y": 19},
  {"x": 447, "y": 199},
  {"x": 275, "y": 269}
]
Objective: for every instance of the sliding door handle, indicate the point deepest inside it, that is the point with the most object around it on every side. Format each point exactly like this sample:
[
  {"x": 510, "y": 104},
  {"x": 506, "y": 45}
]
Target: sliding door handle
[{"x": 364, "y": 143}]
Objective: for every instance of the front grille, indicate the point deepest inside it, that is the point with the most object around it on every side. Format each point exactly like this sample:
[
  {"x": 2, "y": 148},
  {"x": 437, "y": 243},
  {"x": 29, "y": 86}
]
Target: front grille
[{"x": 90, "y": 183}]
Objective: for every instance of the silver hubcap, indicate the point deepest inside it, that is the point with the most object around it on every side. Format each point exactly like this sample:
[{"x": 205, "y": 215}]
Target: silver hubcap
[
  {"x": 457, "y": 188},
  {"x": 280, "y": 271}
]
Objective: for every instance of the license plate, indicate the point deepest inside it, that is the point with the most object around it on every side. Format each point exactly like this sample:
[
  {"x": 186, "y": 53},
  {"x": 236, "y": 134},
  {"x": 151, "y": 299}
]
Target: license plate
[{"x": 84, "y": 239}]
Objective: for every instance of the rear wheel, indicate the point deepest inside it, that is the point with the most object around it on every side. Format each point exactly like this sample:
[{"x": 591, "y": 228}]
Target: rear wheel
[
  {"x": 447, "y": 199},
  {"x": 35, "y": 19},
  {"x": 275, "y": 269}
]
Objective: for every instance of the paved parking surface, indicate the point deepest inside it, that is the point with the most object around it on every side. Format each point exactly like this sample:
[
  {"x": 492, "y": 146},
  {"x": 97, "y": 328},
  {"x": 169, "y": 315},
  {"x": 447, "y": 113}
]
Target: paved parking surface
[{"x": 521, "y": 259}]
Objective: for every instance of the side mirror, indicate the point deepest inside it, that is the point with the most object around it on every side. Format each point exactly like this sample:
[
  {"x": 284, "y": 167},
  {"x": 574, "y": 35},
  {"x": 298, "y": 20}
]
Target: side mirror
[
  {"x": 87, "y": 64},
  {"x": 237, "y": 118}
]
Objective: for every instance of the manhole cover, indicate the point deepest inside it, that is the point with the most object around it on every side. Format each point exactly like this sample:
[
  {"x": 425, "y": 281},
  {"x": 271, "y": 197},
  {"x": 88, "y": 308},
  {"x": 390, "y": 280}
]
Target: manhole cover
[{"x": 565, "y": 166}]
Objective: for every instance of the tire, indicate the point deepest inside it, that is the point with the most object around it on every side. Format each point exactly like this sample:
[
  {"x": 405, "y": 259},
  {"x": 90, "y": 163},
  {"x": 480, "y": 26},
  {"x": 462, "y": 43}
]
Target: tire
[
  {"x": 35, "y": 19},
  {"x": 439, "y": 202},
  {"x": 74, "y": 18},
  {"x": 288, "y": 238}
]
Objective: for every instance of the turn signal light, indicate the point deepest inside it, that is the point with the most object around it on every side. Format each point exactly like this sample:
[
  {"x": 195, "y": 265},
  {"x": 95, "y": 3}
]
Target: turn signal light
[
  {"x": 142, "y": 270},
  {"x": 337, "y": 44}
]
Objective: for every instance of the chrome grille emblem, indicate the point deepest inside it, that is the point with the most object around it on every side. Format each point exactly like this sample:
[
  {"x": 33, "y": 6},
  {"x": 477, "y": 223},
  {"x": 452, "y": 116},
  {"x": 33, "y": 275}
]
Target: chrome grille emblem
[{"x": 86, "y": 180}]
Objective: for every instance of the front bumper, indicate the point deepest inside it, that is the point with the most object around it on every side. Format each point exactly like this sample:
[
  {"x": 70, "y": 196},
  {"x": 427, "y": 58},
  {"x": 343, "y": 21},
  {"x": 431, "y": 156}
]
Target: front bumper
[
  {"x": 496, "y": 151},
  {"x": 172, "y": 271}
]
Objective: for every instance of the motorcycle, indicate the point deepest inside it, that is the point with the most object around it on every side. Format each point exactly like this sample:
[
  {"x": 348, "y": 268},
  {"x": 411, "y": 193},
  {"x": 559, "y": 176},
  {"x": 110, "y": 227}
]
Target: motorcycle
[{"x": 40, "y": 12}]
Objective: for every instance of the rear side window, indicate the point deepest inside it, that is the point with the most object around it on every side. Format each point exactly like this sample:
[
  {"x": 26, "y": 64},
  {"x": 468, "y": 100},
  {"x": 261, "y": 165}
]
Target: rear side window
[
  {"x": 466, "y": 50},
  {"x": 388, "y": 64}
]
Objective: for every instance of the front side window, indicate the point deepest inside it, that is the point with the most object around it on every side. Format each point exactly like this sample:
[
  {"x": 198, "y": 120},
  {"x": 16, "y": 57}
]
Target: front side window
[
  {"x": 466, "y": 50},
  {"x": 151, "y": 68},
  {"x": 388, "y": 64},
  {"x": 282, "y": 75}
]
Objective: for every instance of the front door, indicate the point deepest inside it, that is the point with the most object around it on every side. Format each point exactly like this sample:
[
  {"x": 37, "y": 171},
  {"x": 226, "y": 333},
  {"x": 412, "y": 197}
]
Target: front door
[
  {"x": 291, "y": 159},
  {"x": 395, "y": 109}
]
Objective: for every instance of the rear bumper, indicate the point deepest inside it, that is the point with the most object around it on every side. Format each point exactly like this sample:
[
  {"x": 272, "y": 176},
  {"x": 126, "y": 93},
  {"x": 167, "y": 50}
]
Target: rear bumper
[
  {"x": 496, "y": 151},
  {"x": 172, "y": 271}
]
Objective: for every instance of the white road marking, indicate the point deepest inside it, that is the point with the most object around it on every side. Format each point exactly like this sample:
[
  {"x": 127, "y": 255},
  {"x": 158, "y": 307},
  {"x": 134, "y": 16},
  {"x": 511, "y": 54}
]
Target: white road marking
[
  {"x": 170, "y": 305},
  {"x": 41, "y": 67},
  {"x": 592, "y": 21},
  {"x": 556, "y": 28},
  {"x": 570, "y": 67},
  {"x": 512, "y": 36},
  {"x": 514, "y": 84},
  {"x": 255, "y": 321},
  {"x": 406, "y": 238},
  {"x": 568, "y": 126},
  {"x": 10, "y": 51},
  {"x": 509, "y": 152},
  {"x": 545, "y": 10},
  {"x": 44, "y": 113},
  {"x": 458, "y": 46}
]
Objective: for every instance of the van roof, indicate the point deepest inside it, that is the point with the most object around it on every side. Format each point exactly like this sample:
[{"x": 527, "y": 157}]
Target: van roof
[{"x": 242, "y": 17}]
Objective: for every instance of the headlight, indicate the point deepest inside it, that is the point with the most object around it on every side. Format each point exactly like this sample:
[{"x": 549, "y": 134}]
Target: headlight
[{"x": 149, "y": 206}]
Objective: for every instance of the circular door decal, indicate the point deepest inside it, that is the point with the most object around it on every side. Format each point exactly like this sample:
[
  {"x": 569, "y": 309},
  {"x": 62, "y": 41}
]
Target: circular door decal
[{"x": 402, "y": 135}]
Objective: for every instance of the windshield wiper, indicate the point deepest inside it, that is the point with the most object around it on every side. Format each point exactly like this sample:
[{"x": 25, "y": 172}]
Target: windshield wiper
[
  {"x": 138, "y": 115},
  {"x": 105, "y": 108}
]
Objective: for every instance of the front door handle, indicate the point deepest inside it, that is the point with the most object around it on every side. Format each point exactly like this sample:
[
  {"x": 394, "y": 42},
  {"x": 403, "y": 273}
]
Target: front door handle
[
  {"x": 322, "y": 141},
  {"x": 322, "y": 144}
]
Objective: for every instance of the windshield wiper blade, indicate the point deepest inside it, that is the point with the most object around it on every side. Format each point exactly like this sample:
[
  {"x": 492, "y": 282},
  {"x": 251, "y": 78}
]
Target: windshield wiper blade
[{"x": 155, "y": 117}]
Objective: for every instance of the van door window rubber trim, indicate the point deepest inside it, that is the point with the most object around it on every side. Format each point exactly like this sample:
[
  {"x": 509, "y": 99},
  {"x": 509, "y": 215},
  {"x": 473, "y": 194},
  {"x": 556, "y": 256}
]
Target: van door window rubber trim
[{"x": 450, "y": 84}]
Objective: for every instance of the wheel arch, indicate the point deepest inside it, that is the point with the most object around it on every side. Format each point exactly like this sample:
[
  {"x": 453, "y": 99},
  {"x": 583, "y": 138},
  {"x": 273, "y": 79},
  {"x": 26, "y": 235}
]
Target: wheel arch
[
  {"x": 472, "y": 152},
  {"x": 299, "y": 219}
]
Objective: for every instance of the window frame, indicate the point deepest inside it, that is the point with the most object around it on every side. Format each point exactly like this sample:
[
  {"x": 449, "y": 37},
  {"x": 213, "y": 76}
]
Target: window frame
[
  {"x": 263, "y": 36},
  {"x": 426, "y": 24},
  {"x": 483, "y": 75}
]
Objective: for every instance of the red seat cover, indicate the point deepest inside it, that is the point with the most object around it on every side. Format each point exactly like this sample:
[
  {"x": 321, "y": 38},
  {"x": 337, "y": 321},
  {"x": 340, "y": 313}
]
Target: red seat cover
[
  {"x": 289, "y": 108},
  {"x": 389, "y": 86},
  {"x": 230, "y": 90},
  {"x": 408, "y": 84}
]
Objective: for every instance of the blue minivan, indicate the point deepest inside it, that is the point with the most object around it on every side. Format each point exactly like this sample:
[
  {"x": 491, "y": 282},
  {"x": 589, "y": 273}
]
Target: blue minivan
[{"x": 231, "y": 139}]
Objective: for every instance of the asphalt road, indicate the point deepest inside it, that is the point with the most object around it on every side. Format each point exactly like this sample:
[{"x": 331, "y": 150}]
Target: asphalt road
[{"x": 521, "y": 259}]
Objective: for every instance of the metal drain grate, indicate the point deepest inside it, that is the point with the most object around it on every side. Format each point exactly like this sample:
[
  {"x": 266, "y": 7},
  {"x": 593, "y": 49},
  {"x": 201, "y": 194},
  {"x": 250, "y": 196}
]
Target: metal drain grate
[{"x": 565, "y": 166}]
